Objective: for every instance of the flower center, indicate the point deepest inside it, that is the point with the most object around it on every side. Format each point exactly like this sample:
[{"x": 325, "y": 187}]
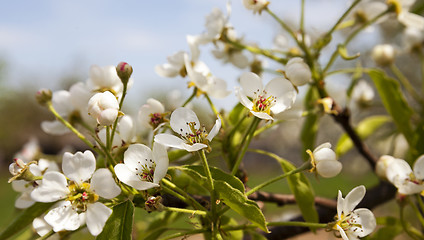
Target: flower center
[
  {"x": 262, "y": 102},
  {"x": 349, "y": 223},
  {"x": 147, "y": 171},
  {"x": 156, "y": 119},
  {"x": 413, "y": 179},
  {"x": 194, "y": 135},
  {"x": 80, "y": 195}
]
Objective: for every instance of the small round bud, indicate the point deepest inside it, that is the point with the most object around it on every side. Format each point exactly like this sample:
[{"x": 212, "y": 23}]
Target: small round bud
[
  {"x": 382, "y": 164},
  {"x": 383, "y": 54},
  {"x": 124, "y": 71},
  {"x": 298, "y": 72},
  {"x": 43, "y": 96}
]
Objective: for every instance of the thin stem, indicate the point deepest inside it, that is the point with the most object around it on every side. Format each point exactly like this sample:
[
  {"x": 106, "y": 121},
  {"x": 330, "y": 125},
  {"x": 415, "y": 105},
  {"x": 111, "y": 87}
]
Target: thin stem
[
  {"x": 298, "y": 224},
  {"x": 421, "y": 55},
  {"x": 304, "y": 166},
  {"x": 420, "y": 202},
  {"x": 191, "y": 200},
  {"x": 404, "y": 81},
  {"x": 190, "y": 98},
  {"x": 69, "y": 126},
  {"x": 351, "y": 36},
  {"x": 115, "y": 124},
  {"x": 47, "y": 235},
  {"x": 212, "y": 188},
  {"x": 108, "y": 139},
  {"x": 347, "y": 70},
  {"x": 302, "y": 20},
  {"x": 183, "y": 210},
  {"x": 245, "y": 144},
  {"x": 266, "y": 127},
  {"x": 417, "y": 212},
  {"x": 412, "y": 232},
  {"x": 342, "y": 17},
  {"x": 183, "y": 234},
  {"x": 215, "y": 111}
]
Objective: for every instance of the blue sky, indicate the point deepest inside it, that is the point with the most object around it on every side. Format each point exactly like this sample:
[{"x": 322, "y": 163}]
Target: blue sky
[{"x": 42, "y": 41}]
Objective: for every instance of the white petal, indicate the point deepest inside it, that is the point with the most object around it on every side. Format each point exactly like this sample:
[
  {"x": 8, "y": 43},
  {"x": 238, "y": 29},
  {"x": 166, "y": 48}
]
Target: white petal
[
  {"x": 180, "y": 118},
  {"x": 63, "y": 218},
  {"x": 107, "y": 117},
  {"x": 243, "y": 98},
  {"x": 130, "y": 178},
  {"x": 136, "y": 156},
  {"x": 215, "y": 130},
  {"x": 80, "y": 95},
  {"x": 21, "y": 186},
  {"x": 194, "y": 147},
  {"x": 166, "y": 70},
  {"x": 79, "y": 166},
  {"x": 103, "y": 184},
  {"x": 328, "y": 168},
  {"x": 54, "y": 128},
  {"x": 24, "y": 201},
  {"x": 41, "y": 226},
  {"x": 342, "y": 233},
  {"x": 126, "y": 128},
  {"x": 239, "y": 60},
  {"x": 411, "y": 20},
  {"x": 398, "y": 170},
  {"x": 419, "y": 167},
  {"x": 169, "y": 140},
  {"x": 324, "y": 145},
  {"x": 53, "y": 187},
  {"x": 324, "y": 154},
  {"x": 217, "y": 87},
  {"x": 340, "y": 203},
  {"x": 353, "y": 198},
  {"x": 284, "y": 93},
  {"x": 47, "y": 165},
  {"x": 250, "y": 83},
  {"x": 97, "y": 215},
  {"x": 61, "y": 101},
  {"x": 152, "y": 106},
  {"x": 160, "y": 156},
  {"x": 262, "y": 115},
  {"x": 366, "y": 220}
]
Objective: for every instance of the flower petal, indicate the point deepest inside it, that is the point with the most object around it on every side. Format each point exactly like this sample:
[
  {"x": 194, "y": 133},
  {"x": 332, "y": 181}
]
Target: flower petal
[
  {"x": 53, "y": 187},
  {"x": 251, "y": 83},
  {"x": 398, "y": 171},
  {"x": 126, "y": 128},
  {"x": 215, "y": 130},
  {"x": 353, "y": 198},
  {"x": 79, "y": 166},
  {"x": 243, "y": 98},
  {"x": 169, "y": 140},
  {"x": 283, "y": 91},
  {"x": 130, "y": 178},
  {"x": 324, "y": 145},
  {"x": 419, "y": 167},
  {"x": 41, "y": 226},
  {"x": 24, "y": 201},
  {"x": 324, "y": 154},
  {"x": 63, "y": 217},
  {"x": 262, "y": 115},
  {"x": 180, "y": 118},
  {"x": 194, "y": 147},
  {"x": 103, "y": 184},
  {"x": 97, "y": 215},
  {"x": 366, "y": 220},
  {"x": 340, "y": 203},
  {"x": 342, "y": 233},
  {"x": 136, "y": 156},
  {"x": 160, "y": 156},
  {"x": 329, "y": 168},
  {"x": 54, "y": 128}
]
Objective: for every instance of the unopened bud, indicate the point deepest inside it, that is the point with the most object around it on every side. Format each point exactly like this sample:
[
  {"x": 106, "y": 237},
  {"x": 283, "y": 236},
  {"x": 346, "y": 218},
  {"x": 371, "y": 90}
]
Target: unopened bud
[
  {"x": 382, "y": 164},
  {"x": 154, "y": 204},
  {"x": 43, "y": 96},
  {"x": 383, "y": 54},
  {"x": 124, "y": 71}
]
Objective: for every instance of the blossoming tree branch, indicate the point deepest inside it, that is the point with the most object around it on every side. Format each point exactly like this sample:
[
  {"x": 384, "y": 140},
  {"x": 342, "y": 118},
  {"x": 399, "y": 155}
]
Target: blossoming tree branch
[{"x": 166, "y": 169}]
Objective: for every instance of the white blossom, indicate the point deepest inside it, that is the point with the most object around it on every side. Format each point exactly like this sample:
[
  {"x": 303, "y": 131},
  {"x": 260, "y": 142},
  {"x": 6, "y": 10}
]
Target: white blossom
[
  {"x": 298, "y": 72},
  {"x": 104, "y": 108},
  {"x": 277, "y": 96},
  {"x": 324, "y": 161},
  {"x": 106, "y": 79},
  {"x": 255, "y": 5},
  {"x": 407, "y": 181},
  {"x": 228, "y": 53},
  {"x": 353, "y": 224},
  {"x": 78, "y": 194},
  {"x": 173, "y": 67},
  {"x": 383, "y": 54},
  {"x": 143, "y": 168},
  {"x": 363, "y": 93},
  {"x": 192, "y": 136},
  {"x": 151, "y": 114}
]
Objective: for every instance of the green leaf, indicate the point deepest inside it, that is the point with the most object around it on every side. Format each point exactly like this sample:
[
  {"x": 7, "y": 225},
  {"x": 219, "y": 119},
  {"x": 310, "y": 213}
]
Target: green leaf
[
  {"x": 238, "y": 201},
  {"x": 230, "y": 190},
  {"x": 344, "y": 54},
  {"x": 394, "y": 102},
  {"x": 159, "y": 224},
  {"x": 302, "y": 190},
  {"x": 24, "y": 218},
  {"x": 236, "y": 114},
  {"x": 217, "y": 174},
  {"x": 310, "y": 125},
  {"x": 176, "y": 154},
  {"x": 364, "y": 129},
  {"x": 120, "y": 223}
]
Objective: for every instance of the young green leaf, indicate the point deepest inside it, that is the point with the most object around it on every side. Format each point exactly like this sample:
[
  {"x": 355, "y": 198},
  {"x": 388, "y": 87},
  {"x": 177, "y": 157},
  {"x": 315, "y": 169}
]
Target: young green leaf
[
  {"x": 310, "y": 125},
  {"x": 119, "y": 225},
  {"x": 24, "y": 218}
]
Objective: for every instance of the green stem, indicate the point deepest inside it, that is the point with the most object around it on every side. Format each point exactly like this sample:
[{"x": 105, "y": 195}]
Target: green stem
[
  {"x": 69, "y": 126},
  {"x": 299, "y": 224},
  {"x": 191, "y": 200},
  {"x": 184, "y": 234},
  {"x": 404, "y": 81},
  {"x": 420, "y": 202},
  {"x": 421, "y": 55},
  {"x": 245, "y": 144},
  {"x": 305, "y": 166},
  {"x": 342, "y": 17},
  {"x": 417, "y": 212},
  {"x": 212, "y": 188},
  {"x": 190, "y": 98},
  {"x": 108, "y": 138},
  {"x": 183, "y": 210},
  {"x": 115, "y": 124},
  {"x": 302, "y": 20},
  {"x": 47, "y": 235},
  {"x": 347, "y": 70},
  {"x": 215, "y": 111},
  {"x": 412, "y": 232},
  {"x": 266, "y": 127},
  {"x": 350, "y": 38}
]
